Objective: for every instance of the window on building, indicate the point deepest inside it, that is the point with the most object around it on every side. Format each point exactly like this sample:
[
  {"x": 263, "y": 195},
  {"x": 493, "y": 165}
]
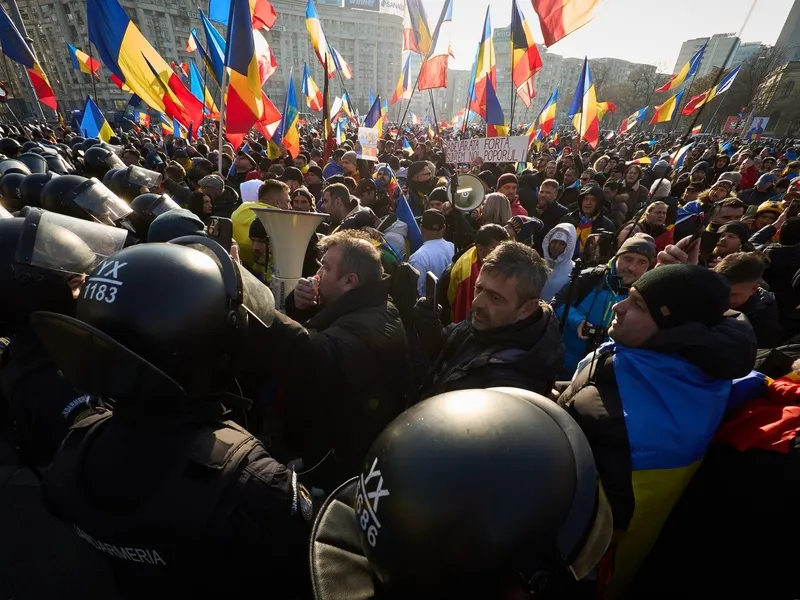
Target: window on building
[{"x": 787, "y": 89}]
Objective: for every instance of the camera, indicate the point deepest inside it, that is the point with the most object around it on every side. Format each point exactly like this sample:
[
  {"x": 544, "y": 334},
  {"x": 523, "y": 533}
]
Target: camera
[{"x": 594, "y": 335}]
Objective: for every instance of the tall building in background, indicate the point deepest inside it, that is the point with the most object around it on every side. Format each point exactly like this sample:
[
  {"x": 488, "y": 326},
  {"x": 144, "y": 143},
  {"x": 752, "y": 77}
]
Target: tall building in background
[
  {"x": 747, "y": 51},
  {"x": 370, "y": 40},
  {"x": 719, "y": 47},
  {"x": 789, "y": 37}
]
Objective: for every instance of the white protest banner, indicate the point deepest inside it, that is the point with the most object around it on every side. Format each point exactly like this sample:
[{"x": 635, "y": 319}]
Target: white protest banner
[
  {"x": 494, "y": 149},
  {"x": 368, "y": 139}
]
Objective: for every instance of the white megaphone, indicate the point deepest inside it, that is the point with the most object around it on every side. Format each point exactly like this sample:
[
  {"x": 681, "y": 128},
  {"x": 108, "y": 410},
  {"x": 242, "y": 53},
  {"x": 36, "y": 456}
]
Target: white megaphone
[{"x": 289, "y": 232}]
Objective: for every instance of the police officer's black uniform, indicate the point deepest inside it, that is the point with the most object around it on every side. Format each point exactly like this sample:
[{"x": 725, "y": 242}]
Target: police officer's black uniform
[{"x": 181, "y": 502}]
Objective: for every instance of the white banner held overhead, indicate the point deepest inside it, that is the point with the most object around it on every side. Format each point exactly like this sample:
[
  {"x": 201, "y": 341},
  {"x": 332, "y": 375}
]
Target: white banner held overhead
[{"x": 493, "y": 149}]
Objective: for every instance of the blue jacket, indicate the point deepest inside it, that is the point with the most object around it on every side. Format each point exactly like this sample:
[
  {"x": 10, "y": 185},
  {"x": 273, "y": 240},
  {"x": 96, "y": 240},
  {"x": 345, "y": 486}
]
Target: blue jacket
[{"x": 593, "y": 307}]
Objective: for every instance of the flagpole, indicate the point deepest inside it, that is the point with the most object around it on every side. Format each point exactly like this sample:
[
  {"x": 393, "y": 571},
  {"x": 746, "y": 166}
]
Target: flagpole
[
  {"x": 513, "y": 86},
  {"x": 410, "y": 98},
  {"x": 435, "y": 118},
  {"x": 221, "y": 111}
]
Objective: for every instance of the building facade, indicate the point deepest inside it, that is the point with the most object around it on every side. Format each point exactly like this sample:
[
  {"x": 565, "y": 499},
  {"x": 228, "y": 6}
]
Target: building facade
[
  {"x": 777, "y": 99},
  {"x": 789, "y": 37},
  {"x": 720, "y": 46},
  {"x": 369, "y": 40}
]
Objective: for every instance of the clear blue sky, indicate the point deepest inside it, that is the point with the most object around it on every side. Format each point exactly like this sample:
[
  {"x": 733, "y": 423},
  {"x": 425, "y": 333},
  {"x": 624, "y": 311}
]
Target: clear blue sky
[{"x": 647, "y": 32}]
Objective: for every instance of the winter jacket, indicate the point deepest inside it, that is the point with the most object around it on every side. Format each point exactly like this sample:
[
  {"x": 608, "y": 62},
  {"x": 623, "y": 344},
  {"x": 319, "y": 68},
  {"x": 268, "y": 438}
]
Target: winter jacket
[
  {"x": 550, "y": 218},
  {"x": 343, "y": 377},
  {"x": 561, "y": 266},
  {"x": 594, "y": 294},
  {"x": 762, "y": 312},
  {"x": 599, "y": 221},
  {"x": 526, "y": 354},
  {"x": 649, "y": 414},
  {"x": 517, "y": 209}
]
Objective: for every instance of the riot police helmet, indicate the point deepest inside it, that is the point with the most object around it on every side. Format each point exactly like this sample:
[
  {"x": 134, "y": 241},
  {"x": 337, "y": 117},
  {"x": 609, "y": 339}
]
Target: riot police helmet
[
  {"x": 30, "y": 189},
  {"x": 36, "y": 163},
  {"x": 98, "y": 160},
  {"x": 29, "y": 146},
  {"x": 12, "y": 165},
  {"x": 58, "y": 164},
  {"x": 466, "y": 494},
  {"x": 83, "y": 198},
  {"x": 89, "y": 142},
  {"x": 75, "y": 141},
  {"x": 124, "y": 187},
  {"x": 5, "y": 214},
  {"x": 10, "y": 147},
  {"x": 44, "y": 258},
  {"x": 146, "y": 207},
  {"x": 9, "y": 189},
  {"x": 159, "y": 326}
]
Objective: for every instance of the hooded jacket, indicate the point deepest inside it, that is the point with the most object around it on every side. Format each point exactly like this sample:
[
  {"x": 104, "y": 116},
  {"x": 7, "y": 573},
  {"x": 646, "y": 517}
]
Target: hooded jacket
[
  {"x": 561, "y": 266},
  {"x": 649, "y": 414}
]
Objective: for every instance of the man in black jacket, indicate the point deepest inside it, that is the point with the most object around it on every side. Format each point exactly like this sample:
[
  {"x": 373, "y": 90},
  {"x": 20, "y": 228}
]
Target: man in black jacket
[
  {"x": 548, "y": 210},
  {"x": 744, "y": 271},
  {"x": 511, "y": 338},
  {"x": 343, "y": 371}
]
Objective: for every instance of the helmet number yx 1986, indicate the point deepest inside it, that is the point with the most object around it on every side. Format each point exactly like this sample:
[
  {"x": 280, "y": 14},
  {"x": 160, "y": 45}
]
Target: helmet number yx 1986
[{"x": 367, "y": 502}]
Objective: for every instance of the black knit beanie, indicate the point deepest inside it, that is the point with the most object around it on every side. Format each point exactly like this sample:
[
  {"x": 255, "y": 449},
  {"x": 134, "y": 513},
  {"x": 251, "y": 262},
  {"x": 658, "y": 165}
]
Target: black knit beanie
[{"x": 679, "y": 294}]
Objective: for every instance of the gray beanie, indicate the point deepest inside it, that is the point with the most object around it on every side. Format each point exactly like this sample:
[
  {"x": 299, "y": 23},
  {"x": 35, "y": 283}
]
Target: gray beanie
[
  {"x": 350, "y": 157},
  {"x": 639, "y": 243}
]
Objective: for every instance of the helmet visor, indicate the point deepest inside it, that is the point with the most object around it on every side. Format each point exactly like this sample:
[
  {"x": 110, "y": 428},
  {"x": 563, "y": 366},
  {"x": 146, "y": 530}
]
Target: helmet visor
[
  {"x": 162, "y": 205},
  {"x": 101, "y": 202},
  {"x": 141, "y": 177},
  {"x": 60, "y": 243},
  {"x": 113, "y": 161}
]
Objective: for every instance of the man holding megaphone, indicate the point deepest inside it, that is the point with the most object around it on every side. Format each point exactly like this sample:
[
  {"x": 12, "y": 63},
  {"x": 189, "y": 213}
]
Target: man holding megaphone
[{"x": 343, "y": 368}]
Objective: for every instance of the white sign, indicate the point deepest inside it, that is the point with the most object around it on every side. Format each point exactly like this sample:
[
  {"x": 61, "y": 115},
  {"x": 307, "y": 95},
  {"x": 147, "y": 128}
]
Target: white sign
[
  {"x": 494, "y": 149},
  {"x": 368, "y": 139}
]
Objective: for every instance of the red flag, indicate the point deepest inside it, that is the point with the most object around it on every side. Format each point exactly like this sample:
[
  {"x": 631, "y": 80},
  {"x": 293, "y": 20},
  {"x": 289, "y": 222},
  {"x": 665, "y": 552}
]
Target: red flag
[{"x": 559, "y": 18}]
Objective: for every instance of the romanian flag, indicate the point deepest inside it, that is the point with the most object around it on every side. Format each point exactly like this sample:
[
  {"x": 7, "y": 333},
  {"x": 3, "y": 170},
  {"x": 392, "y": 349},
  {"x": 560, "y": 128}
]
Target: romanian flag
[
  {"x": 200, "y": 91},
  {"x": 15, "y": 48},
  {"x": 83, "y": 62},
  {"x": 403, "y": 89},
  {"x": 384, "y": 113},
  {"x": 525, "y": 59},
  {"x": 433, "y": 73},
  {"x": 291, "y": 114},
  {"x": 628, "y": 124},
  {"x": 583, "y": 110},
  {"x": 341, "y": 65},
  {"x": 141, "y": 118},
  {"x": 129, "y": 56},
  {"x": 245, "y": 104},
  {"x": 559, "y": 18},
  {"x": 328, "y": 138},
  {"x": 605, "y": 107},
  {"x": 328, "y": 57},
  {"x": 723, "y": 86},
  {"x": 416, "y": 31},
  {"x": 374, "y": 115},
  {"x": 94, "y": 124},
  {"x": 688, "y": 70},
  {"x": 191, "y": 43},
  {"x": 311, "y": 91},
  {"x": 485, "y": 72},
  {"x": 415, "y": 120},
  {"x": 666, "y": 111},
  {"x": 546, "y": 118},
  {"x": 461, "y": 290},
  {"x": 696, "y": 130},
  {"x": 264, "y": 15}
]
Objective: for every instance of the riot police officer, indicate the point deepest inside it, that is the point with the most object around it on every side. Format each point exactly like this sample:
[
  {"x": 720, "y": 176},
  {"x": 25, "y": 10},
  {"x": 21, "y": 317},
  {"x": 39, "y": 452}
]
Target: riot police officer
[
  {"x": 43, "y": 261},
  {"x": 485, "y": 494},
  {"x": 180, "y": 501}
]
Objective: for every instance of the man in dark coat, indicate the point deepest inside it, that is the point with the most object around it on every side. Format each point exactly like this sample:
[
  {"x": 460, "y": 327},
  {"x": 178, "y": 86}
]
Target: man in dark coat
[
  {"x": 510, "y": 338},
  {"x": 343, "y": 371}
]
